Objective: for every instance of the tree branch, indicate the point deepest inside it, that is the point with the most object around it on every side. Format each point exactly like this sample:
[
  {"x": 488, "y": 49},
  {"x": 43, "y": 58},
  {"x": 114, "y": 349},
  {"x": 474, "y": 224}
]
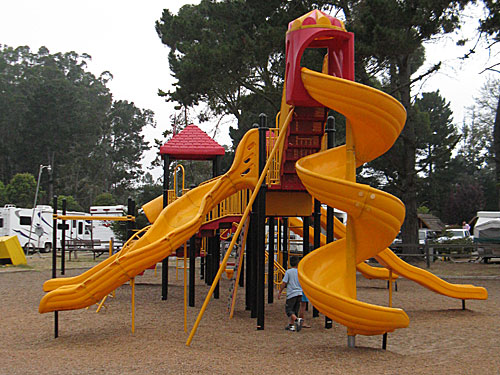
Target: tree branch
[{"x": 435, "y": 68}]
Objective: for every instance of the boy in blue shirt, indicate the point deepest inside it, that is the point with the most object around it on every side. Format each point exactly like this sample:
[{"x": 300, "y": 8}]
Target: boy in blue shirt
[{"x": 293, "y": 295}]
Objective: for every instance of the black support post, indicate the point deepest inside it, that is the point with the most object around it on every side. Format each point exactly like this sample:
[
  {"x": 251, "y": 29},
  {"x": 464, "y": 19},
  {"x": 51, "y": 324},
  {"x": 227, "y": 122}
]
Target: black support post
[
  {"x": 54, "y": 261},
  {"x": 130, "y": 223},
  {"x": 216, "y": 261},
  {"x": 284, "y": 241},
  {"x": 270, "y": 258},
  {"x": 261, "y": 233},
  {"x": 164, "y": 263},
  {"x": 305, "y": 238},
  {"x": 317, "y": 235},
  {"x": 63, "y": 238},
  {"x": 248, "y": 261},
  {"x": 192, "y": 271},
  {"x": 251, "y": 263}
]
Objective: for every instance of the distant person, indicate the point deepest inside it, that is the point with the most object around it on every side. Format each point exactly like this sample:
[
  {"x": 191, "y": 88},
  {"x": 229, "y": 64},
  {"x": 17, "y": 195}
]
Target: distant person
[
  {"x": 466, "y": 226},
  {"x": 293, "y": 295}
]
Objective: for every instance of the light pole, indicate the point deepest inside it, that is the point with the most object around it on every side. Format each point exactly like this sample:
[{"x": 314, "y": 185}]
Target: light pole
[{"x": 42, "y": 167}]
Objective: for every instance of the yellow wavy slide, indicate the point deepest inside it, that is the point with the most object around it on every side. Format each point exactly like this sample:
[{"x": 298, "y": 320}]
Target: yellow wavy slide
[
  {"x": 375, "y": 119},
  {"x": 172, "y": 226}
]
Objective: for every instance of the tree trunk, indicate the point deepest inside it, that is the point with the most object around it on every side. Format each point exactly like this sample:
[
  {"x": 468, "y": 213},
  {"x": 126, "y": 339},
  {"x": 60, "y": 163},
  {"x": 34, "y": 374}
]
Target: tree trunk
[
  {"x": 496, "y": 142},
  {"x": 409, "y": 230}
]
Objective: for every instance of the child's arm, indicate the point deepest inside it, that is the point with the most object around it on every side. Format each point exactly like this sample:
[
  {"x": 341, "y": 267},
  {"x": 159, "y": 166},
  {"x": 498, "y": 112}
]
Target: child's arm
[{"x": 282, "y": 286}]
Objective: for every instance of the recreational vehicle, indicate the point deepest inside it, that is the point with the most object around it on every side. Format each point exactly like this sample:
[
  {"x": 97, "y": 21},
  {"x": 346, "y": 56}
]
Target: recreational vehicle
[{"x": 33, "y": 227}]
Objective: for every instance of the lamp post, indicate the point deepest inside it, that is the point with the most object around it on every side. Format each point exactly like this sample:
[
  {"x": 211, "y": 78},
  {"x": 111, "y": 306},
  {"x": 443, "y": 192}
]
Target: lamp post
[{"x": 42, "y": 167}]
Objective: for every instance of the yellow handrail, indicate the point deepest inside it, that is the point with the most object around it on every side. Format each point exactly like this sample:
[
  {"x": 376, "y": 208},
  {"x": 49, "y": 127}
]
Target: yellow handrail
[{"x": 240, "y": 226}]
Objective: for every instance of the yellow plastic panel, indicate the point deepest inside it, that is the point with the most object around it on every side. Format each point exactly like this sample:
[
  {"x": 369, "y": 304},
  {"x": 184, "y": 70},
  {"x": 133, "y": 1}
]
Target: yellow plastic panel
[{"x": 11, "y": 249}]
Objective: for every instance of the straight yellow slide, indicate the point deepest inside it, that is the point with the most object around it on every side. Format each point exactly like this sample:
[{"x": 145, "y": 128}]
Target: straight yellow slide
[
  {"x": 428, "y": 280},
  {"x": 172, "y": 226}
]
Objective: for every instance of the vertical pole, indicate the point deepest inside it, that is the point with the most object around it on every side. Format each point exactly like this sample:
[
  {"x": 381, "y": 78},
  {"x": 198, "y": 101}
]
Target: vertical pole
[
  {"x": 165, "y": 261},
  {"x": 284, "y": 242},
  {"x": 261, "y": 234},
  {"x": 202, "y": 259},
  {"x": 63, "y": 238},
  {"x": 254, "y": 223},
  {"x": 184, "y": 280},
  {"x": 54, "y": 260},
  {"x": 350, "y": 175},
  {"x": 305, "y": 241},
  {"x": 132, "y": 284},
  {"x": 192, "y": 259},
  {"x": 248, "y": 259},
  {"x": 305, "y": 237},
  {"x": 216, "y": 261},
  {"x": 330, "y": 132},
  {"x": 317, "y": 236},
  {"x": 130, "y": 211},
  {"x": 270, "y": 261}
]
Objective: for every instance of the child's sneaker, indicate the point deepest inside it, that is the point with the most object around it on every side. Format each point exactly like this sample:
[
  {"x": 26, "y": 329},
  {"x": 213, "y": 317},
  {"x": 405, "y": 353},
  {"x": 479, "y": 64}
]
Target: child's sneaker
[
  {"x": 290, "y": 327},
  {"x": 298, "y": 324}
]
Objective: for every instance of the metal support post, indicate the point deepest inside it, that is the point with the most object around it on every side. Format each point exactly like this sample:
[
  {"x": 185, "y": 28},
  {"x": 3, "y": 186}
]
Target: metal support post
[
  {"x": 261, "y": 232},
  {"x": 54, "y": 261},
  {"x": 270, "y": 261},
  {"x": 284, "y": 242},
  {"x": 317, "y": 236},
  {"x": 164, "y": 263},
  {"x": 216, "y": 261},
  {"x": 192, "y": 258},
  {"x": 63, "y": 238}
]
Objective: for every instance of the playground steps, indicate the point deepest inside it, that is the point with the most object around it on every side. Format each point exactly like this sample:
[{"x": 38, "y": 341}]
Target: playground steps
[{"x": 304, "y": 138}]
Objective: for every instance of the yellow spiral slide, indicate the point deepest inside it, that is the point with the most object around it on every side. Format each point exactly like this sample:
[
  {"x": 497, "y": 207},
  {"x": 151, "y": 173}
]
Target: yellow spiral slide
[
  {"x": 327, "y": 275},
  {"x": 172, "y": 226}
]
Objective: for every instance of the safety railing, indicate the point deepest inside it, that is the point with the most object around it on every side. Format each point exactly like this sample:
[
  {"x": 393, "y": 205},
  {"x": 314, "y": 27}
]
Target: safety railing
[
  {"x": 273, "y": 175},
  {"x": 233, "y": 205}
]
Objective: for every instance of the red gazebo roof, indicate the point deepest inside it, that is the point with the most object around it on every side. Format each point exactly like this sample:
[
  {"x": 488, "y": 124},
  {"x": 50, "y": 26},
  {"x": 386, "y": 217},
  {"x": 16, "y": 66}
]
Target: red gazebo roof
[{"x": 192, "y": 143}]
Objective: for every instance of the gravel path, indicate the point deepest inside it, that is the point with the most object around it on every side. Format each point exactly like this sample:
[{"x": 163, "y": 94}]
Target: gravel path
[{"x": 441, "y": 339}]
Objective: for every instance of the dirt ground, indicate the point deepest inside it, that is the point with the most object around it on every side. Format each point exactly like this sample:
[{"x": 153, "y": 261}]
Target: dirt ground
[{"x": 441, "y": 339}]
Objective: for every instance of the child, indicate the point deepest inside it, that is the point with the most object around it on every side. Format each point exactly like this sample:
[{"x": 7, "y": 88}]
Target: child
[{"x": 293, "y": 295}]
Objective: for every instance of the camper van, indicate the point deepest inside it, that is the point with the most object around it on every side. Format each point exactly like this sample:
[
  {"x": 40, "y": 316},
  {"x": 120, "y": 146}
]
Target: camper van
[
  {"x": 102, "y": 229},
  {"x": 33, "y": 227},
  {"x": 487, "y": 231}
]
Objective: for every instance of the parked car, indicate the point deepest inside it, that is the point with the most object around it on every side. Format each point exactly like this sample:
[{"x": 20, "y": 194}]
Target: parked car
[
  {"x": 453, "y": 235},
  {"x": 425, "y": 235}
]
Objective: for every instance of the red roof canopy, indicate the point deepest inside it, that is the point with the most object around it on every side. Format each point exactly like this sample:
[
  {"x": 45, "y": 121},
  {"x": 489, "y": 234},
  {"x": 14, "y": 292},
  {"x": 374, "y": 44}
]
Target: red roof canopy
[{"x": 192, "y": 143}]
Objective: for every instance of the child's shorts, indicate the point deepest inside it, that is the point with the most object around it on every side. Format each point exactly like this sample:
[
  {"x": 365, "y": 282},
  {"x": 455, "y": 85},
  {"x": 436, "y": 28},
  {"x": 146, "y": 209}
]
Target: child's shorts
[{"x": 292, "y": 305}]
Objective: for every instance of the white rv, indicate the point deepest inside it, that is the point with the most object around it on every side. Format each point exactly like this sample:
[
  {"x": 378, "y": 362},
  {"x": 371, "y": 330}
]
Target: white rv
[
  {"x": 487, "y": 226},
  {"x": 33, "y": 227},
  {"x": 102, "y": 229}
]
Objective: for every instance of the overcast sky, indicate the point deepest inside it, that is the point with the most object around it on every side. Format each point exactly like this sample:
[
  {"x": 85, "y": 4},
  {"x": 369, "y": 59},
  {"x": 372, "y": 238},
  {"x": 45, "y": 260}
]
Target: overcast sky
[{"x": 120, "y": 37}]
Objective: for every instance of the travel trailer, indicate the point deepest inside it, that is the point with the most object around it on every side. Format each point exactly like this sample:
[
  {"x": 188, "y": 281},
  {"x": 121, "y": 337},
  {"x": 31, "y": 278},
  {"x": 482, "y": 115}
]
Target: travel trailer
[
  {"x": 487, "y": 226},
  {"x": 33, "y": 227}
]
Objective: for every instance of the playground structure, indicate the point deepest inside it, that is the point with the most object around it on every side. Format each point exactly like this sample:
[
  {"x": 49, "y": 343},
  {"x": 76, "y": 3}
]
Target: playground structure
[{"x": 283, "y": 165}]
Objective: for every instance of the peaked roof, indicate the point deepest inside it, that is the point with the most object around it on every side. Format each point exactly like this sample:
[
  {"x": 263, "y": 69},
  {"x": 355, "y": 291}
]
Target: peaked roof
[
  {"x": 192, "y": 143},
  {"x": 430, "y": 221}
]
